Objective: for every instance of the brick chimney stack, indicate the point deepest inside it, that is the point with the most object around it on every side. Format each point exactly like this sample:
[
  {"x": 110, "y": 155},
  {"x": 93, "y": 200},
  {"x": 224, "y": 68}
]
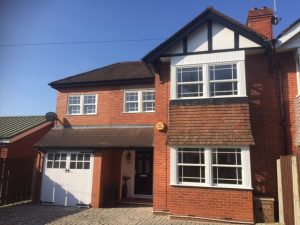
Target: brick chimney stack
[{"x": 260, "y": 20}]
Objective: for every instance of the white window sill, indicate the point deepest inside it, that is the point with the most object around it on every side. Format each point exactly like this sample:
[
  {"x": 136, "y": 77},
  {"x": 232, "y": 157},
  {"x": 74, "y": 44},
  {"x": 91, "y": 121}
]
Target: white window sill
[
  {"x": 207, "y": 186},
  {"x": 139, "y": 112},
  {"x": 227, "y": 96},
  {"x": 94, "y": 114}
]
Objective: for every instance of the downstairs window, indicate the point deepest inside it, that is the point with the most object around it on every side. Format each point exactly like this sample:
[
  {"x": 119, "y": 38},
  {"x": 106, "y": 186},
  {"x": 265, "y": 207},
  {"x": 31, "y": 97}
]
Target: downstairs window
[{"x": 211, "y": 167}]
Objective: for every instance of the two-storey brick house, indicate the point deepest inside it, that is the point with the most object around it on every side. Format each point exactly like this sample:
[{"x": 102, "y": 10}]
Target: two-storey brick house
[{"x": 197, "y": 125}]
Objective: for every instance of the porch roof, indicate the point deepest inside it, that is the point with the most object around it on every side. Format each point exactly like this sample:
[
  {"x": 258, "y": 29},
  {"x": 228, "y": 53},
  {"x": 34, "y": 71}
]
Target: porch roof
[{"x": 106, "y": 137}]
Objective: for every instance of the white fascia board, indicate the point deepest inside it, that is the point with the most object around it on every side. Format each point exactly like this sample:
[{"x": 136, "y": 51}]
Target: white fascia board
[
  {"x": 288, "y": 35},
  {"x": 4, "y": 141}
]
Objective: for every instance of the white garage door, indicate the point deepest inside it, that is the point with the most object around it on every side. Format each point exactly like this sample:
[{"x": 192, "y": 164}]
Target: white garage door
[{"x": 67, "y": 178}]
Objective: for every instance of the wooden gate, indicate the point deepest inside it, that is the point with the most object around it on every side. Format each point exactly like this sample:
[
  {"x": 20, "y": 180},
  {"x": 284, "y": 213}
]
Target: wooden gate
[
  {"x": 15, "y": 180},
  {"x": 288, "y": 171}
]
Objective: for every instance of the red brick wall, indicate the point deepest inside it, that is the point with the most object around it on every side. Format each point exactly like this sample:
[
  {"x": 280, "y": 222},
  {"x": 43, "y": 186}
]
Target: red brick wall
[
  {"x": 182, "y": 200},
  {"x": 161, "y": 152},
  {"x": 200, "y": 125},
  {"x": 296, "y": 149},
  {"x": 291, "y": 101},
  {"x": 263, "y": 92},
  {"x": 23, "y": 148},
  {"x": 109, "y": 109},
  {"x": 96, "y": 192},
  {"x": 107, "y": 171},
  {"x": 260, "y": 21},
  {"x": 222, "y": 204}
]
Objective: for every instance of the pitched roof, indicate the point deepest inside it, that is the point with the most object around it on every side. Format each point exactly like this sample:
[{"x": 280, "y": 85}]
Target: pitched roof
[
  {"x": 122, "y": 71},
  {"x": 97, "y": 138},
  {"x": 289, "y": 33},
  {"x": 209, "y": 14},
  {"x": 288, "y": 28},
  {"x": 11, "y": 126}
]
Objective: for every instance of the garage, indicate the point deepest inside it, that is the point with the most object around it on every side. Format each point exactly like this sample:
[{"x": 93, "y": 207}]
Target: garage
[{"x": 67, "y": 178}]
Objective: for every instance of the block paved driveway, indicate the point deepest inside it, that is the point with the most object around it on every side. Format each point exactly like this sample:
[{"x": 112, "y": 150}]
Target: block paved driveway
[{"x": 37, "y": 215}]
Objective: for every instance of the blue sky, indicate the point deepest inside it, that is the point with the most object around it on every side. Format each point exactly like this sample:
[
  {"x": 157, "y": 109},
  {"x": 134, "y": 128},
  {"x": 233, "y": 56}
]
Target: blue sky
[{"x": 25, "y": 71}]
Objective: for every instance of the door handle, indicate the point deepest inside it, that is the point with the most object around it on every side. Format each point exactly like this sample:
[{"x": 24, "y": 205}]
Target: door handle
[
  {"x": 143, "y": 175},
  {"x": 67, "y": 170}
]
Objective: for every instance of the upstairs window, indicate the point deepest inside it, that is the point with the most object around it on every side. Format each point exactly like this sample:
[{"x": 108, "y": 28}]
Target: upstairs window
[
  {"x": 74, "y": 105},
  {"x": 139, "y": 101},
  {"x": 190, "y": 82},
  {"x": 82, "y": 104},
  {"x": 148, "y": 101},
  {"x": 223, "y": 80},
  {"x": 132, "y": 101},
  {"x": 89, "y": 104},
  {"x": 213, "y": 75}
]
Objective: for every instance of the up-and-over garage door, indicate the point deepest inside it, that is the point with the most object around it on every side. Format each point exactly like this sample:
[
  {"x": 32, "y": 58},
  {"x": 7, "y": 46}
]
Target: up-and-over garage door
[{"x": 67, "y": 178}]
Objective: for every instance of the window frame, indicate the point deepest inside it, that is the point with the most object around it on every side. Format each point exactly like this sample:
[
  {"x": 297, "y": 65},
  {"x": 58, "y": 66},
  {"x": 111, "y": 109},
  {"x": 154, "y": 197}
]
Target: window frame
[
  {"x": 222, "y": 81},
  {"x": 204, "y": 61},
  {"x": 200, "y": 165},
  {"x": 191, "y": 82},
  {"x": 140, "y": 100},
  {"x": 245, "y": 165},
  {"x": 82, "y": 104}
]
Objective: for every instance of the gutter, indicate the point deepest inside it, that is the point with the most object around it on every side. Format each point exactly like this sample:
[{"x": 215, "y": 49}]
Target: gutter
[{"x": 4, "y": 141}]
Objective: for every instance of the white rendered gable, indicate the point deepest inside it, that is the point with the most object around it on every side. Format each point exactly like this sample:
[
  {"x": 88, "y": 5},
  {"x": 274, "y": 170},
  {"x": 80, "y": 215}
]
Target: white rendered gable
[
  {"x": 197, "y": 41},
  {"x": 223, "y": 38},
  {"x": 246, "y": 43}
]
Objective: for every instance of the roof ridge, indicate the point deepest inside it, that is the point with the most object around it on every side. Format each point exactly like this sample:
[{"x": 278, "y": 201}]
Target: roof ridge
[
  {"x": 237, "y": 22},
  {"x": 205, "y": 14},
  {"x": 11, "y": 116},
  {"x": 289, "y": 27}
]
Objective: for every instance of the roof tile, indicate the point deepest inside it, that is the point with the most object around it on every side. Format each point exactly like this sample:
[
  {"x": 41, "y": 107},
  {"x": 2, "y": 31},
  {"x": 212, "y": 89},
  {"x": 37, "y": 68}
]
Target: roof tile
[{"x": 11, "y": 126}]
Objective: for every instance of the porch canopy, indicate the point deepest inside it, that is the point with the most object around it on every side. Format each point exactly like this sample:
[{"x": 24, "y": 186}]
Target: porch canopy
[{"x": 104, "y": 137}]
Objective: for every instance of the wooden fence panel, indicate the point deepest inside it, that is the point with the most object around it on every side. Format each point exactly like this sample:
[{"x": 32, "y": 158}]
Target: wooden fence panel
[
  {"x": 16, "y": 179},
  {"x": 289, "y": 190}
]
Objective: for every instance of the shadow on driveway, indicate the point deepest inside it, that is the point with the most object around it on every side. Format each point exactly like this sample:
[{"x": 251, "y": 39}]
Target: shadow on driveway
[{"x": 34, "y": 214}]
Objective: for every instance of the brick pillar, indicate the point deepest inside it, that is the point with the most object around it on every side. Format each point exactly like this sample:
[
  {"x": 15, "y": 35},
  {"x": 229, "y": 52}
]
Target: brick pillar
[
  {"x": 161, "y": 153},
  {"x": 101, "y": 177},
  {"x": 96, "y": 180}
]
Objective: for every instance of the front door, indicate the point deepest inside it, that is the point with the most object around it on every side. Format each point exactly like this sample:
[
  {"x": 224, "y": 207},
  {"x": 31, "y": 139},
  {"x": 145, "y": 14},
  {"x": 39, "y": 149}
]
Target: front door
[{"x": 143, "y": 172}]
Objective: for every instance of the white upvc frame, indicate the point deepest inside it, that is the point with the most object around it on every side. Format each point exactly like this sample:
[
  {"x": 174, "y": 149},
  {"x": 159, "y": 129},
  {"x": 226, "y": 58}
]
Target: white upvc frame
[
  {"x": 297, "y": 61},
  {"x": 140, "y": 100},
  {"x": 206, "y": 60},
  {"x": 82, "y": 104},
  {"x": 245, "y": 161}
]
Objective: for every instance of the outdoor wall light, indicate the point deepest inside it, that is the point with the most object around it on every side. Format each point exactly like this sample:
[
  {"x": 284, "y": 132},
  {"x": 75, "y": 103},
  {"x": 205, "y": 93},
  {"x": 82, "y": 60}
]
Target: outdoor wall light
[{"x": 128, "y": 157}]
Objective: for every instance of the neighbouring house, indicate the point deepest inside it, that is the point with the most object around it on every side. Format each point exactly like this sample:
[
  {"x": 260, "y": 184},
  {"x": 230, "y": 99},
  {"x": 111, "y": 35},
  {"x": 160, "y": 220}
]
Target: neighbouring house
[
  {"x": 288, "y": 54},
  {"x": 18, "y": 134},
  {"x": 197, "y": 125}
]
